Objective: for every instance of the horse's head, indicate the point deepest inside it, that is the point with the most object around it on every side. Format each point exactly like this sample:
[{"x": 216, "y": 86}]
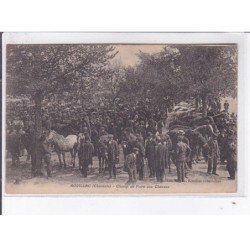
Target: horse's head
[{"x": 50, "y": 136}]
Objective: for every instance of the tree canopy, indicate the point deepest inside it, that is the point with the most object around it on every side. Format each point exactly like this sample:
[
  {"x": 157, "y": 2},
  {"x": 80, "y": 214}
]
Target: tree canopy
[
  {"x": 182, "y": 72},
  {"x": 50, "y": 68}
]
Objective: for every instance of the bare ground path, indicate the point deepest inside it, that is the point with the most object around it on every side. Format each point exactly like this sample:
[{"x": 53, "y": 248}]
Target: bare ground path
[{"x": 70, "y": 181}]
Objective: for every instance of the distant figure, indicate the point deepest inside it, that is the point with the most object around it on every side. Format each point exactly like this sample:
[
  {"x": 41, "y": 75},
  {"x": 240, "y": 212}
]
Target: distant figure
[
  {"x": 181, "y": 134},
  {"x": 102, "y": 131},
  {"x": 130, "y": 165},
  {"x": 113, "y": 156},
  {"x": 218, "y": 105},
  {"x": 46, "y": 154},
  {"x": 182, "y": 153},
  {"x": 140, "y": 157},
  {"x": 85, "y": 154},
  {"x": 231, "y": 159},
  {"x": 213, "y": 155},
  {"x": 141, "y": 129},
  {"x": 13, "y": 146},
  {"x": 150, "y": 154},
  {"x": 168, "y": 142},
  {"x": 226, "y": 106},
  {"x": 161, "y": 160},
  {"x": 214, "y": 107},
  {"x": 222, "y": 142},
  {"x": 102, "y": 155}
]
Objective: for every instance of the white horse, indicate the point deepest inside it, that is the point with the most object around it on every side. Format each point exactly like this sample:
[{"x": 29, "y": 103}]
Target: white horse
[{"x": 63, "y": 144}]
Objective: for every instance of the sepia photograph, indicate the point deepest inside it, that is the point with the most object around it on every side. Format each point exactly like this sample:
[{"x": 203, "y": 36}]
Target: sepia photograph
[
  {"x": 125, "y": 119},
  {"x": 110, "y": 118}
]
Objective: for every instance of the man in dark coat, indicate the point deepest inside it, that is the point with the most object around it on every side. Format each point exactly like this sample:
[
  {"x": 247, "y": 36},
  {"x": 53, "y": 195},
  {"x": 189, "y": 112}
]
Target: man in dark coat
[
  {"x": 181, "y": 134},
  {"x": 196, "y": 141},
  {"x": 128, "y": 142},
  {"x": 94, "y": 139},
  {"x": 222, "y": 142},
  {"x": 160, "y": 126},
  {"x": 161, "y": 159},
  {"x": 102, "y": 131},
  {"x": 150, "y": 154},
  {"x": 130, "y": 165},
  {"x": 112, "y": 130},
  {"x": 182, "y": 153},
  {"x": 152, "y": 126},
  {"x": 113, "y": 156},
  {"x": 141, "y": 129},
  {"x": 86, "y": 133},
  {"x": 46, "y": 154},
  {"x": 140, "y": 157},
  {"x": 85, "y": 155},
  {"x": 231, "y": 157},
  {"x": 102, "y": 155},
  {"x": 226, "y": 106},
  {"x": 169, "y": 145},
  {"x": 213, "y": 155},
  {"x": 13, "y": 146}
]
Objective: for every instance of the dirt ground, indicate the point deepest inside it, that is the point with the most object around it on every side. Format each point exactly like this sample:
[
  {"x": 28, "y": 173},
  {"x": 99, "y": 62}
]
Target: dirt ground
[{"x": 70, "y": 181}]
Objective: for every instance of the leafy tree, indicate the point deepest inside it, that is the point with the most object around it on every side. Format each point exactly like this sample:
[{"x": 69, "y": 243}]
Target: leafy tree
[
  {"x": 208, "y": 71},
  {"x": 39, "y": 70},
  {"x": 159, "y": 74},
  {"x": 182, "y": 72}
]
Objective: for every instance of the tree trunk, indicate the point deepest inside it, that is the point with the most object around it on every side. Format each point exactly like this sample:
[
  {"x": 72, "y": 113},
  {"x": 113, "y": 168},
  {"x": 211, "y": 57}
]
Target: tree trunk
[
  {"x": 37, "y": 154},
  {"x": 204, "y": 105}
]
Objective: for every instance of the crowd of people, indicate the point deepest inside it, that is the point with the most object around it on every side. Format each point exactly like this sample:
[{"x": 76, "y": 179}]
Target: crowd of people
[{"x": 139, "y": 132}]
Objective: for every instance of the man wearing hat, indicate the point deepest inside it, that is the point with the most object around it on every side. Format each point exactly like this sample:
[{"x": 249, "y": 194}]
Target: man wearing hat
[
  {"x": 168, "y": 143},
  {"x": 213, "y": 154},
  {"x": 231, "y": 157},
  {"x": 46, "y": 154},
  {"x": 13, "y": 145},
  {"x": 161, "y": 159},
  {"x": 85, "y": 154},
  {"x": 130, "y": 165},
  {"x": 150, "y": 154},
  {"x": 102, "y": 131},
  {"x": 226, "y": 106},
  {"x": 140, "y": 157},
  {"x": 128, "y": 142},
  {"x": 181, "y": 134},
  {"x": 113, "y": 155},
  {"x": 182, "y": 152}
]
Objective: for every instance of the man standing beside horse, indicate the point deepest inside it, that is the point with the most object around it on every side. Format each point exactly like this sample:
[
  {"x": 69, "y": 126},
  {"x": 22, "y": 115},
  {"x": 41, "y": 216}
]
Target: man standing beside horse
[
  {"x": 85, "y": 154},
  {"x": 161, "y": 158},
  {"x": 113, "y": 155},
  {"x": 46, "y": 154}
]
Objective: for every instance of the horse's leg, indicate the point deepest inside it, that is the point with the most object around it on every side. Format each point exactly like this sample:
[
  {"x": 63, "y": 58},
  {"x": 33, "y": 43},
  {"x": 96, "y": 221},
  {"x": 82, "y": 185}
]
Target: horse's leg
[
  {"x": 72, "y": 153},
  {"x": 59, "y": 157},
  {"x": 199, "y": 153},
  {"x": 64, "y": 162}
]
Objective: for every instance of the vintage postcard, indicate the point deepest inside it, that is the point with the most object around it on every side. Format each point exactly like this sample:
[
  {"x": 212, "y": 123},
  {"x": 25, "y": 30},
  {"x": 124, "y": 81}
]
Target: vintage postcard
[{"x": 116, "y": 118}]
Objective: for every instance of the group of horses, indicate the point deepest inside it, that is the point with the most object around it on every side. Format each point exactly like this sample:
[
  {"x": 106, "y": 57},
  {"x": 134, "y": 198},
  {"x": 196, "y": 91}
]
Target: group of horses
[
  {"x": 197, "y": 138},
  {"x": 59, "y": 143},
  {"x": 71, "y": 143}
]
